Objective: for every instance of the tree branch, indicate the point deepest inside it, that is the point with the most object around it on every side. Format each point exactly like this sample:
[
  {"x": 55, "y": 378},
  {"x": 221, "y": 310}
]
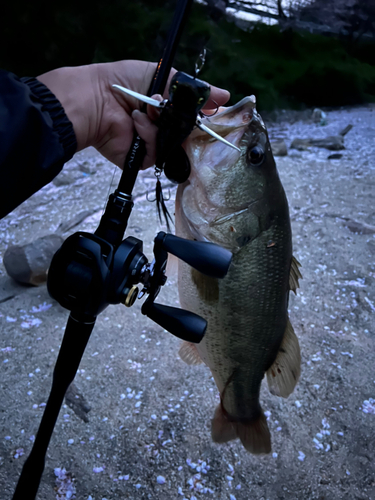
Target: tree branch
[{"x": 239, "y": 6}]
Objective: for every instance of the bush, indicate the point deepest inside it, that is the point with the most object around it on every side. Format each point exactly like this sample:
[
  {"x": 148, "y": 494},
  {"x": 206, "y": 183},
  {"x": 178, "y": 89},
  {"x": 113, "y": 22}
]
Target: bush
[{"x": 282, "y": 69}]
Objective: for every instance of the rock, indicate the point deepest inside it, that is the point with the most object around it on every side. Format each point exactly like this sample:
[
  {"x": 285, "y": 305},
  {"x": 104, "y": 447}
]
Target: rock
[
  {"x": 359, "y": 227},
  {"x": 332, "y": 142},
  {"x": 66, "y": 177},
  {"x": 335, "y": 156},
  {"x": 371, "y": 246},
  {"x": 29, "y": 263},
  {"x": 300, "y": 144},
  {"x": 87, "y": 168},
  {"x": 74, "y": 221},
  {"x": 319, "y": 116},
  {"x": 76, "y": 401},
  {"x": 345, "y": 130},
  {"x": 279, "y": 148}
]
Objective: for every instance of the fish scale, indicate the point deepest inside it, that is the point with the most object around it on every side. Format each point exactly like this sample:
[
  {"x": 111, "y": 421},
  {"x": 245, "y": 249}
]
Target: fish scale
[
  {"x": 242, "y": 206},
  {"x": 248, "y": 294}
]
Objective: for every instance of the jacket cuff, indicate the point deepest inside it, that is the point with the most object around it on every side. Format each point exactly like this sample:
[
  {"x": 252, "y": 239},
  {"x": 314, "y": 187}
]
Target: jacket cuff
[{"x": 61, "y": 123}]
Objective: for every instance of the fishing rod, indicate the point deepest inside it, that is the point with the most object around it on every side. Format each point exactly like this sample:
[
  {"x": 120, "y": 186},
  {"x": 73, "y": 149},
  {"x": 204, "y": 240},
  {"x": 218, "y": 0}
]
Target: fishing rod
[{"x": 91, "y": 271}]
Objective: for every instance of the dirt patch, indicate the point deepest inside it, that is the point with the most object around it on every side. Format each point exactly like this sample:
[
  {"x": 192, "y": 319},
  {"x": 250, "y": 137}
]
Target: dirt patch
[{"x": 148, "y": 430}]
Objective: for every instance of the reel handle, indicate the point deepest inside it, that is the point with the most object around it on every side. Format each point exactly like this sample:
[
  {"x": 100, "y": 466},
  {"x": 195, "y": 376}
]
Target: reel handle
[
  {"x": 207, "y": 258},
  {"x": 181, "y": 323}
]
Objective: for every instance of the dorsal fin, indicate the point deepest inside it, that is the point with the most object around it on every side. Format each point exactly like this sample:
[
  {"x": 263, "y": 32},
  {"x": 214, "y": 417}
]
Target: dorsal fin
[{"x": 295, "y": 275}]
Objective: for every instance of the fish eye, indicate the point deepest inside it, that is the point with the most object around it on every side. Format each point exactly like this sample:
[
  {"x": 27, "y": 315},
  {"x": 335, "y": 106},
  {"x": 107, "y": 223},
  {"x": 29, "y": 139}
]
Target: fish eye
[
  {"x": 256, "y": 155},
  {"x": 200, "y": 100},
  {"x": 174, "y": 87}
]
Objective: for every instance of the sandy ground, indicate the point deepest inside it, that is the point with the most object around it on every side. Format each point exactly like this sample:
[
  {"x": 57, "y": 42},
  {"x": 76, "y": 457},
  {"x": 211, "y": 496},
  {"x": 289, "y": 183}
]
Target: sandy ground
[{"x": 148, "y": 431}]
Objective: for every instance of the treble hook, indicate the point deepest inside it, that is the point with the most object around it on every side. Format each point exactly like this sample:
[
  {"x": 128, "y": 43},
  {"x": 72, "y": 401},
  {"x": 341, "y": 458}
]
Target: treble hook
[
  {"x": 157, "y": 174},
  {"x": 152, "y": 201},
  {"x": 212, "y": 114}
]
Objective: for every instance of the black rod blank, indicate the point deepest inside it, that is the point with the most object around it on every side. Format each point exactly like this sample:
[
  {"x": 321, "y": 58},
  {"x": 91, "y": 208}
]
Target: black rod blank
[
  {"x": 79, "y": 328},
  {"x": 137, "y": 150},
  {"x": 77, "y": 334}
]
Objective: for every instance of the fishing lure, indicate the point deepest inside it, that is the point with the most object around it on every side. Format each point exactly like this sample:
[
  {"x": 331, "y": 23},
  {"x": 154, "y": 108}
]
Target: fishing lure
[{"x": 179, "y": 115}]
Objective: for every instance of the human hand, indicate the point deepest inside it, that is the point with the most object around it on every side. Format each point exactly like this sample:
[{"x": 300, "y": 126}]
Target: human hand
[{"x": 105, "y": 118}]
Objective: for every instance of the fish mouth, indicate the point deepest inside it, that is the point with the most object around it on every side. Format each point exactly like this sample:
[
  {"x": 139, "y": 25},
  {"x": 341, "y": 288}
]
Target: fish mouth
[
  {"x": 209, "y": 158},
  {"x": 227, "y": 120},
  {"x": 232, "y": 124}
]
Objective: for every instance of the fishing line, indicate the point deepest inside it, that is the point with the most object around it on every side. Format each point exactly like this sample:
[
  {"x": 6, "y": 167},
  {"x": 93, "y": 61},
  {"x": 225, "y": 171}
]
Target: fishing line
[{"x": 109, "y": 189}]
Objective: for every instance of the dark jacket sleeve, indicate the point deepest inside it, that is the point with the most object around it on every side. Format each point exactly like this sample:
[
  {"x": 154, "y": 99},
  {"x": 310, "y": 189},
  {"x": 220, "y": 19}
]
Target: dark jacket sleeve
[{"x": 36, "y": 139}]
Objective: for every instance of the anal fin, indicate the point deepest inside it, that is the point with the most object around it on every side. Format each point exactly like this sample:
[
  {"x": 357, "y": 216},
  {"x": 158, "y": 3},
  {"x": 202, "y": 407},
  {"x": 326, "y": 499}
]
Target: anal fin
[
  {"x": 295, "y": 275},
  {"x": 189, "y": 353},
  {"x": 283, "y": 375},
  {"x": 172, "y": 266}
]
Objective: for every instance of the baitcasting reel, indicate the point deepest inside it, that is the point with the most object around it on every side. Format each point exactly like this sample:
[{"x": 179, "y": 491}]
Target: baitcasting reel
[
  {"x": 87, "y": 274},
  {"x": 91, "y": 271}
]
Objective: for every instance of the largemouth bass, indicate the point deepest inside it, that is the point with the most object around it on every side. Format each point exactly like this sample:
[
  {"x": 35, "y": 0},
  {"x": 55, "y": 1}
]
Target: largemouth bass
[{"x": 237, "y": 201}]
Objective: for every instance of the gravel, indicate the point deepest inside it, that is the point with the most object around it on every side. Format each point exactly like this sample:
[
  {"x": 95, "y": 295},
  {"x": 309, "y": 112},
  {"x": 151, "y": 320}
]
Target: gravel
[{"x": 148, "y": 430}]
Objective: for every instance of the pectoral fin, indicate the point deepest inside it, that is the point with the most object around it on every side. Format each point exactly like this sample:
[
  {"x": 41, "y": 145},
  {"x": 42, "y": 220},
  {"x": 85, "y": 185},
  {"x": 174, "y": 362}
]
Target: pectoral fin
[
  {"x": 189, "y": 353},
  {"x": 283, "y": 375},
  {"x": 295, "y": 275}
]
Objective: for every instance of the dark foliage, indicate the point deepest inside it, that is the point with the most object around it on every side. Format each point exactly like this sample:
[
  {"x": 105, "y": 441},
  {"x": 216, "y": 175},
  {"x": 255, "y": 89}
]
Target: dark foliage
[{"x": 282, "y": 68}]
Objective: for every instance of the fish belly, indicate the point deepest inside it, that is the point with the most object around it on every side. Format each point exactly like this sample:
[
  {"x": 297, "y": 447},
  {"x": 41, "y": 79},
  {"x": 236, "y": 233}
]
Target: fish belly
[{"x": 246, "y": 313}]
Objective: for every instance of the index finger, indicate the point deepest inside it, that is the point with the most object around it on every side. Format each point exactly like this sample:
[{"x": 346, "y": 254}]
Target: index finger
[{"x": 218, "y": 97}]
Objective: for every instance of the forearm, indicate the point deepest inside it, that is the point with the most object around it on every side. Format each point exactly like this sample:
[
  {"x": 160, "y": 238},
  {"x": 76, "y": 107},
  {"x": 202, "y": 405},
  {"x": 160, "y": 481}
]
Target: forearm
[
  {"x": 36, "y": 139},
  {"x": 75, "y": 88}
]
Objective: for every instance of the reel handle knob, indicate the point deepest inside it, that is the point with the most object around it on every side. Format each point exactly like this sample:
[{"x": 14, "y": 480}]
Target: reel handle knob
[
  {"x": 181, "y": 323},
  {"x": 208, "y": 258}
]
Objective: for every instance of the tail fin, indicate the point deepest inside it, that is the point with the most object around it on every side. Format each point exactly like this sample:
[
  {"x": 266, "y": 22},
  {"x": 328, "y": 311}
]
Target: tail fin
[{"x": 254, "y": 434}]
